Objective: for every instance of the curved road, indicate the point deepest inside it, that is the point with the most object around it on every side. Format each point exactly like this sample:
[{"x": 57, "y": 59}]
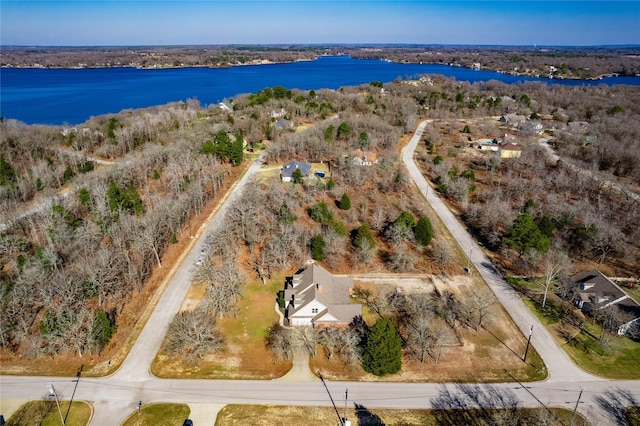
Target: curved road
[{"x": 116, "y": 397}]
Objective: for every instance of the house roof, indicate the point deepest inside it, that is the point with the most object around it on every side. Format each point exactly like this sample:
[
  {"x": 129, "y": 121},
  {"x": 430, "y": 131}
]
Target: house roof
[
  {"x": 599, "y": 292},
  {"x": 283, "y": 124},
  {"x": 318, "y": 286},
  {"x": 510, "y": 146},
  {"x": 289, "y": 168},
  {"x": 365, "y": 155}
]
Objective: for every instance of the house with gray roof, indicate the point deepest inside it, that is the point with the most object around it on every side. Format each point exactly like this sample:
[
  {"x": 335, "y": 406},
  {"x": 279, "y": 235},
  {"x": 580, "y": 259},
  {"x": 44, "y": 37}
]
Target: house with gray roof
[
  {"x": 315, "y": 297},
  {"x": 594, "y": 291},
  {"x": 286, "y": 174}
]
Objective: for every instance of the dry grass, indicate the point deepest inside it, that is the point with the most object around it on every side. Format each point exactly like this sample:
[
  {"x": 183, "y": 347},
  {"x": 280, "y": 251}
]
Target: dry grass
[
  {"x": 480, "y": 355},
  {"x": 268, "y": 415},
  {"x": 245, "y": 355}
]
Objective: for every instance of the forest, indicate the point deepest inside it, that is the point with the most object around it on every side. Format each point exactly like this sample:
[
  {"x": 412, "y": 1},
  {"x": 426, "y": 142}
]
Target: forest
[
  {"x": 88, "y": 213},
  {"x": 556, "y": 62}
]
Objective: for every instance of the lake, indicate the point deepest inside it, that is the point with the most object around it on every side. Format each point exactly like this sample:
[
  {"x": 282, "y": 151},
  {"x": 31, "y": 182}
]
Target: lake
[{"x": 72, "y": 96}]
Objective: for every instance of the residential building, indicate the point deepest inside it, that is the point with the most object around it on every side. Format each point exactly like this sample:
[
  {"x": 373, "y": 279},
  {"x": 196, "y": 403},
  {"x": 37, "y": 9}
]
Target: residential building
[
  {"x": 315, "y": 297},
  {"x": 594, "y": 292},
  {"x": 286, "y": 174}
]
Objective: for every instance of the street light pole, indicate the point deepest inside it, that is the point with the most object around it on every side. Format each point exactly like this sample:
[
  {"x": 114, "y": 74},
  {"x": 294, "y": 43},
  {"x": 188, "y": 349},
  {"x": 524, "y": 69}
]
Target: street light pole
[
  {"x": 52, "y": 392},
  {"x": 74, "y": 392},
  {"x": 524, "y": 358}
]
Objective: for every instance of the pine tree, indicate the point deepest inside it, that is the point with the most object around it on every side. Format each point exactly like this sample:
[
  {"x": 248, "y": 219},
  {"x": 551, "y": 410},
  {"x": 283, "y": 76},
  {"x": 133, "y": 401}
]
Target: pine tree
[
  {"x": 345, "y": 202},
  {"x": 423, "y": 231},
  {"x": 382, "y": 352},
  {"x": 317, "y": 247}
]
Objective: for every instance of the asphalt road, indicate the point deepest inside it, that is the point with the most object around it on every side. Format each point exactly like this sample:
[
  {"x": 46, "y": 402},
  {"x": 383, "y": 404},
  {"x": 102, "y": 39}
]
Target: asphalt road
[{"x": 116, "y": 397}]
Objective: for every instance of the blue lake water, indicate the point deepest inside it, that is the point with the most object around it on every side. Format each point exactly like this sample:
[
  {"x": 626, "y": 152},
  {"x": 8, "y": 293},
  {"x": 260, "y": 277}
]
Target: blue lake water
[{"x": 72, "y": 96}]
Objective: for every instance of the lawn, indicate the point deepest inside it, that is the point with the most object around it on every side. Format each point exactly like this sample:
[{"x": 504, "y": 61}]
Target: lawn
[
  {"x": 159, "y": 414},
  {"x": 45, "y": 413},
  {"x": 259, "y": 415},
  {"x": 614, "y": 357}
]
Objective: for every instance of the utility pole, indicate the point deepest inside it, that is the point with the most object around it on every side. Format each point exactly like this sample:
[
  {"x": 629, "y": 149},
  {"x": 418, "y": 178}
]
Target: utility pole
[
  {"x": 576, "y": 407},
  {"x": 524, "y": 358},
  {"x": 346, "y": 395},
  {"x": 74, "y": 392},
  {"x": 52, "y": 392},
  {"x": 331, "y": 398}
]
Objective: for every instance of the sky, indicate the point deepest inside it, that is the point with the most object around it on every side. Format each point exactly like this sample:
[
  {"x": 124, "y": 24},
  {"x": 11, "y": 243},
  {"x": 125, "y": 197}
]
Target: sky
[{"x": 477, "y": 22}]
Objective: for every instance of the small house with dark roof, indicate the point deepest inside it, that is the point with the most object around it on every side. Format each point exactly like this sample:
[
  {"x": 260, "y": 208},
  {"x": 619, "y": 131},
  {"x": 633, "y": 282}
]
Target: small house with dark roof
[
  {"x": 315, "y": 297},
  {"x": 286, "y": 174},
  {"x": 594, "y": 291}
]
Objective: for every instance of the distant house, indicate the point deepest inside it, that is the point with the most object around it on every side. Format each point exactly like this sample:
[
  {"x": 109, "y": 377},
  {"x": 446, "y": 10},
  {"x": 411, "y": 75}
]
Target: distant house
[
  {"x": 277, "y": 113},
  {"x": 510, "y": 150},
  {"x": 484, "y": 144},
  {"x": 364, "y": 158},
  {"x": 532, "y": 127},
  {"x": 286, "y": 174},
  {"x": 316, "y": 297},
  {"x": 225, "y": 107},
  {"x": 283, "y": 124},
  {"x": 513, "y": 120},
  {"x": 594, "y": 291}
]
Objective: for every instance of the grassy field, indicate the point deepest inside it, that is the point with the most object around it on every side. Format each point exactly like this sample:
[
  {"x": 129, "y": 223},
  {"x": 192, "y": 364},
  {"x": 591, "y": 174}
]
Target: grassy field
[
  {"x": 267, "y": 415},
  {"x": 45, "y": 413},
  {"x": 159, "y": 414},
  {"x": 611, "y": 356}
]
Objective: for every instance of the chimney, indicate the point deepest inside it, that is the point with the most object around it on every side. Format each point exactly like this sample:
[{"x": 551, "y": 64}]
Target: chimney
[{"x": 319, "y": 287}]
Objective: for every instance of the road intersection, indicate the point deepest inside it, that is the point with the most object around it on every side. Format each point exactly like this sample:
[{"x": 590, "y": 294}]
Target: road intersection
[{"x": 115, "y": 397}]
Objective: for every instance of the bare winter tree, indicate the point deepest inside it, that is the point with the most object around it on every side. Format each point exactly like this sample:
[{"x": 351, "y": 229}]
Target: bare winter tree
[
  {"x": 280, "y": 341},
  {"x": 555, "y": 263},
  {"x": 193, "y": 334}
]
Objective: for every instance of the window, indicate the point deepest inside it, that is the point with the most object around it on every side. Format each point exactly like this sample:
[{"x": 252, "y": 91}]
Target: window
[{"x": 314, "y": 310}]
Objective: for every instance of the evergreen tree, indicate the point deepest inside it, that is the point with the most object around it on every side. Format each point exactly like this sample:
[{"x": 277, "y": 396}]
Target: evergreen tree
[
  {"x": 406, "y": 220},
  {"x": 363, "y": 237},
  {"x": 423, "y": 231},
  {"x": 236, "y": 154},
  {"x": 344, "y": 130},
  {"x": 285, "y": 214},
  {"x": 382, "y": 352},
  {"x": 345, "y": 202},
  {"x": 7, "y": 174},
  {"x": 297, "y": 176},
  {"x": 328, "y": 133},
  {"x": 320, "y": 213},
  {"x": 317, "y": 247},
  {"x": 524, "y": 234}
]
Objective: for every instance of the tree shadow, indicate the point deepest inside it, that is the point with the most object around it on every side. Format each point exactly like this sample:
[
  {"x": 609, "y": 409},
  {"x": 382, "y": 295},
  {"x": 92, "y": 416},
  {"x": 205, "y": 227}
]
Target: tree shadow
[
  {"x": 366, "y": 417},
  {"x": 470, "y": 404},
  {"x": 616, "y": 403},
  {"x": 503, "y": 343}
]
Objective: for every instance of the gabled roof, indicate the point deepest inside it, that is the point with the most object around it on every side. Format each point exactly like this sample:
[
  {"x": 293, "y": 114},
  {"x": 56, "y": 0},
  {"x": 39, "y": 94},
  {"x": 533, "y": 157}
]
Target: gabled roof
[
  {"x": 289, "y": 168},
  {"x": 329, "y": 294},
  {"x": 599, "y": 292}
]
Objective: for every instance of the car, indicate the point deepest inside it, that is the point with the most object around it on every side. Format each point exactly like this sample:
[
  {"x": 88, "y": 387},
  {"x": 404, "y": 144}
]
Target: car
[{"x": 187, "y": 422}]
